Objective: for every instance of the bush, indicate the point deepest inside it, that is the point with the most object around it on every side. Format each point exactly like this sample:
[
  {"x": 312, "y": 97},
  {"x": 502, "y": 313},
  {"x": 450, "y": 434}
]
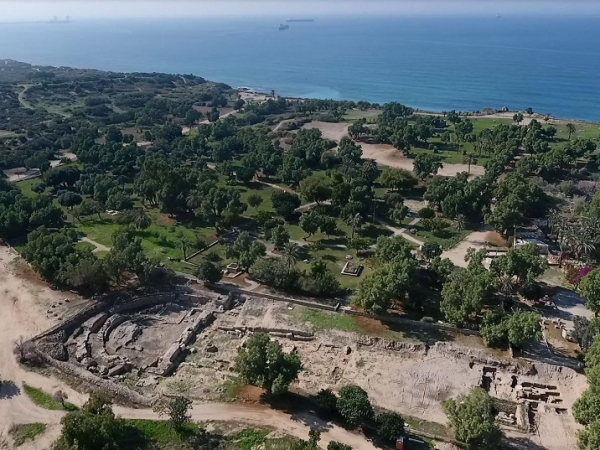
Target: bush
[
  {"x": 326, "y": 402},
  {"x": 390, "y": 426},
  {"x": 426, "y": 213},
  {"x": 354, "y": 406}
]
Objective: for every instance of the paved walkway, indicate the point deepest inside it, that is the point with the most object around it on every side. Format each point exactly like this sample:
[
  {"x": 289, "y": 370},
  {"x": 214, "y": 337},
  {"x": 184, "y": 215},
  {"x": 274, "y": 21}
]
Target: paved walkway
[
  {"x": 403, "y": 231},
  {"x": 99, "y": 246}
]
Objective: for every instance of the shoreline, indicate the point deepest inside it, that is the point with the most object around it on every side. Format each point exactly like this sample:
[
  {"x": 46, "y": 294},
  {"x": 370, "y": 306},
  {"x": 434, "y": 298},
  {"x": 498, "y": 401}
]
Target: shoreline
[{"x": 487, "y": 113}]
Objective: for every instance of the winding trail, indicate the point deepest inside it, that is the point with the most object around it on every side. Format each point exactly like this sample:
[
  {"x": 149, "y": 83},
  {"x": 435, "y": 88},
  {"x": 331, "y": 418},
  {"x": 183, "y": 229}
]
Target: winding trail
[{"x": 24, "y": 103}]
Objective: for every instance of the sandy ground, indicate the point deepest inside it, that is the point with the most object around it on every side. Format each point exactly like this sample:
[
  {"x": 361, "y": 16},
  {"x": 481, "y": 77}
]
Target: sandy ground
[
  {"x": 25, "y": 303},
  {"x": 457, "y": 254},
  {"x": 387, "y": 155},
  {"x": 24, "y": 313},
  {"x": 332, "y": 131},
  {"x": 20, "y": 174},
  {"x": 400, "y": 377}
]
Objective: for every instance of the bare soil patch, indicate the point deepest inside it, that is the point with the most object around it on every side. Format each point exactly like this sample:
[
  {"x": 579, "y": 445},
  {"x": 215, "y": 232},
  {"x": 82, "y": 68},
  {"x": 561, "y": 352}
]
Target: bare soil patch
[
  {"x": 387, "y": 155},
  {"x": 333, "y": 131}
]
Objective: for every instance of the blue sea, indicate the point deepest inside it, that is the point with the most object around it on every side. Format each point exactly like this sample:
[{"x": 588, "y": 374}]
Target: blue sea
[{"x": 551, "y": 64}]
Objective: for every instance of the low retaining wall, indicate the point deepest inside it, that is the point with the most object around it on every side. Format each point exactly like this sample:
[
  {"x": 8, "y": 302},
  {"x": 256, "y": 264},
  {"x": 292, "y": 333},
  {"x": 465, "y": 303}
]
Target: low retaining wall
[
  {"x": 119, "y": 391},
  {"x": 344, "y": 310}
]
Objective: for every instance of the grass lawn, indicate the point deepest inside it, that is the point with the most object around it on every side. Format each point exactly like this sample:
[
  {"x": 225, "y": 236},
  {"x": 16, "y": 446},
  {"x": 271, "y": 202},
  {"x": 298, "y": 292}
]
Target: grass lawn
[
  {"x": 449, "y": 240},
  {"x": 248, "y": 439},
  {"x": 323, "y": 320},
  {"x": 44, "y": 400},
  {"x": 585, "y": 130},
  {"x": 85, "y": 246},
  {"x": 158, "y": 435},
  {"x": 353, "y": 115},
  {"x": 26, "y": 432},
  {"x": 25, "y": 187}
]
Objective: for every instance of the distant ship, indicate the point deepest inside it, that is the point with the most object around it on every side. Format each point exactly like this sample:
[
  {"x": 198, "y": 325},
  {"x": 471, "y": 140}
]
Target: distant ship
[
  {"x": 300, "y": 20},
  {"x": 498, "y": 16},
  {"x": 283, "y": 27}
]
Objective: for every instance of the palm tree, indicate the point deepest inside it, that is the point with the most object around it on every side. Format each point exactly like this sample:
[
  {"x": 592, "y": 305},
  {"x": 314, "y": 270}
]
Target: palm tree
[
  {"x": 291, "y": 254},
  {"x": 460, "y": 222},
  {"x": 571, "y": 128},
  {"x": 142, "y": 220},
  {"x": 355, "y": 222}
]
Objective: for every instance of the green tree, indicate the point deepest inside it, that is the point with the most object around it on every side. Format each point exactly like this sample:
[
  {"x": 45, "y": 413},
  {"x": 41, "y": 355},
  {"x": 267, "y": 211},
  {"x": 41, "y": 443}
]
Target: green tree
[
  {"x": 390, "y": 426},
  {"x": 472, "y": 417},
  {"x": 465, "y": 294},
  {"x": 426, "y": 213},
  {"x": 254, "y": 200},
  {"x": 95, "y": 427},
  {"x": 142, "y": 220},
  {"x": 523, "y": 328},
  {"x": 263, "y": 363},
  {"x": 586, "y": 408},
  {"x": 333, "y": 445},
  {"x": 388, "y": 283},
  {"x": 284, "y": 203},
  {"x": 291, "y": 253},
  {"x": 398, "y": 179},
  {"x": 314, "y": 436},
  {"x": 355, "y": 222},
  {"x": 310, "y": 223},
  {"x": 279, "y": 236},
  {"x": 274, "y": 273},
  {"x": 590, "y": 290},
  {"x": 320, "y": 280},
  {"x": 426, "y": 164},
  {"x": 326, "y": 402},
  {"x": 520, "y": 265},
  {"x": 431, "y": 250},
  {"x": 315, "y": 189},
  {"x": 589, "y": 438},
  {"x": 47, "y": 251},
  {"x": 245, "y": 251},
  {"x": 518, "y": 118},
  {"x": 354, "y": 406},
  {"x": 178, "y": 410},
  {"x": 69, "y": 199},
  {"x": 571, "y": 128},
  {"x": 209, "y": 271}
]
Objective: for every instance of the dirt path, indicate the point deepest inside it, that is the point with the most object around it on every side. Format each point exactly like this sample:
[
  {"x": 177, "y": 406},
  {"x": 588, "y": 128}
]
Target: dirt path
[
  {"x": 457, "y": 254},
  {"x": 295, "y": 424},
  {"x": 99, "y": 246},
  {"x": 24, "y": 103},
  {"x": 24, "y": 305},
  {"x": 404, "y": 231},
  {"x": 186, "y": 130}
]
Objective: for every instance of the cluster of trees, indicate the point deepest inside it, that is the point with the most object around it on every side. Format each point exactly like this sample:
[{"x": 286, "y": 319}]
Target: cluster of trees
[
  {"x": 586, "y": 410},
  {"x": 467, "y": 292},
  {"x": 472, "y": 417},
  {"x": 55, "y": 256},
  {"x": 280, "y": 273}
]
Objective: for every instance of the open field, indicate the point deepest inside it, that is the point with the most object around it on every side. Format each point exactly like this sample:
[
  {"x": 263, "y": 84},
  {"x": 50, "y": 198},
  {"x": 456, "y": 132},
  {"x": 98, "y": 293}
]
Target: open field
[{"x": 386, "y": 155}]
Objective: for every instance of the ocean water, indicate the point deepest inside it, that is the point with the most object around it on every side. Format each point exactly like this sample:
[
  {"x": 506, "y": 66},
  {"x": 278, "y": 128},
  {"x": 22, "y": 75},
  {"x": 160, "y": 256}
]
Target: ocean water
[{"x": 551, "y": 64}]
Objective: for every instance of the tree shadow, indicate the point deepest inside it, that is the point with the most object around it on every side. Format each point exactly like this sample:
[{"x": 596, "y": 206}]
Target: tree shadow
[
  {"x": 515, "y": 443},
  {"x": 8, "y": 390}
]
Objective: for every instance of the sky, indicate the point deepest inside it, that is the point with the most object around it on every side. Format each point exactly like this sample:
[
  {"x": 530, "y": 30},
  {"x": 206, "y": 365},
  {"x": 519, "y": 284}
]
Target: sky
[{"x": 16, "y": 10}]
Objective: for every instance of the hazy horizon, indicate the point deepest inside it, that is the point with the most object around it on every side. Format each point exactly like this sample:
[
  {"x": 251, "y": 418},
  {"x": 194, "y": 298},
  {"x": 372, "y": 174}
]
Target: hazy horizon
[{"x": 17, "y": 10}]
